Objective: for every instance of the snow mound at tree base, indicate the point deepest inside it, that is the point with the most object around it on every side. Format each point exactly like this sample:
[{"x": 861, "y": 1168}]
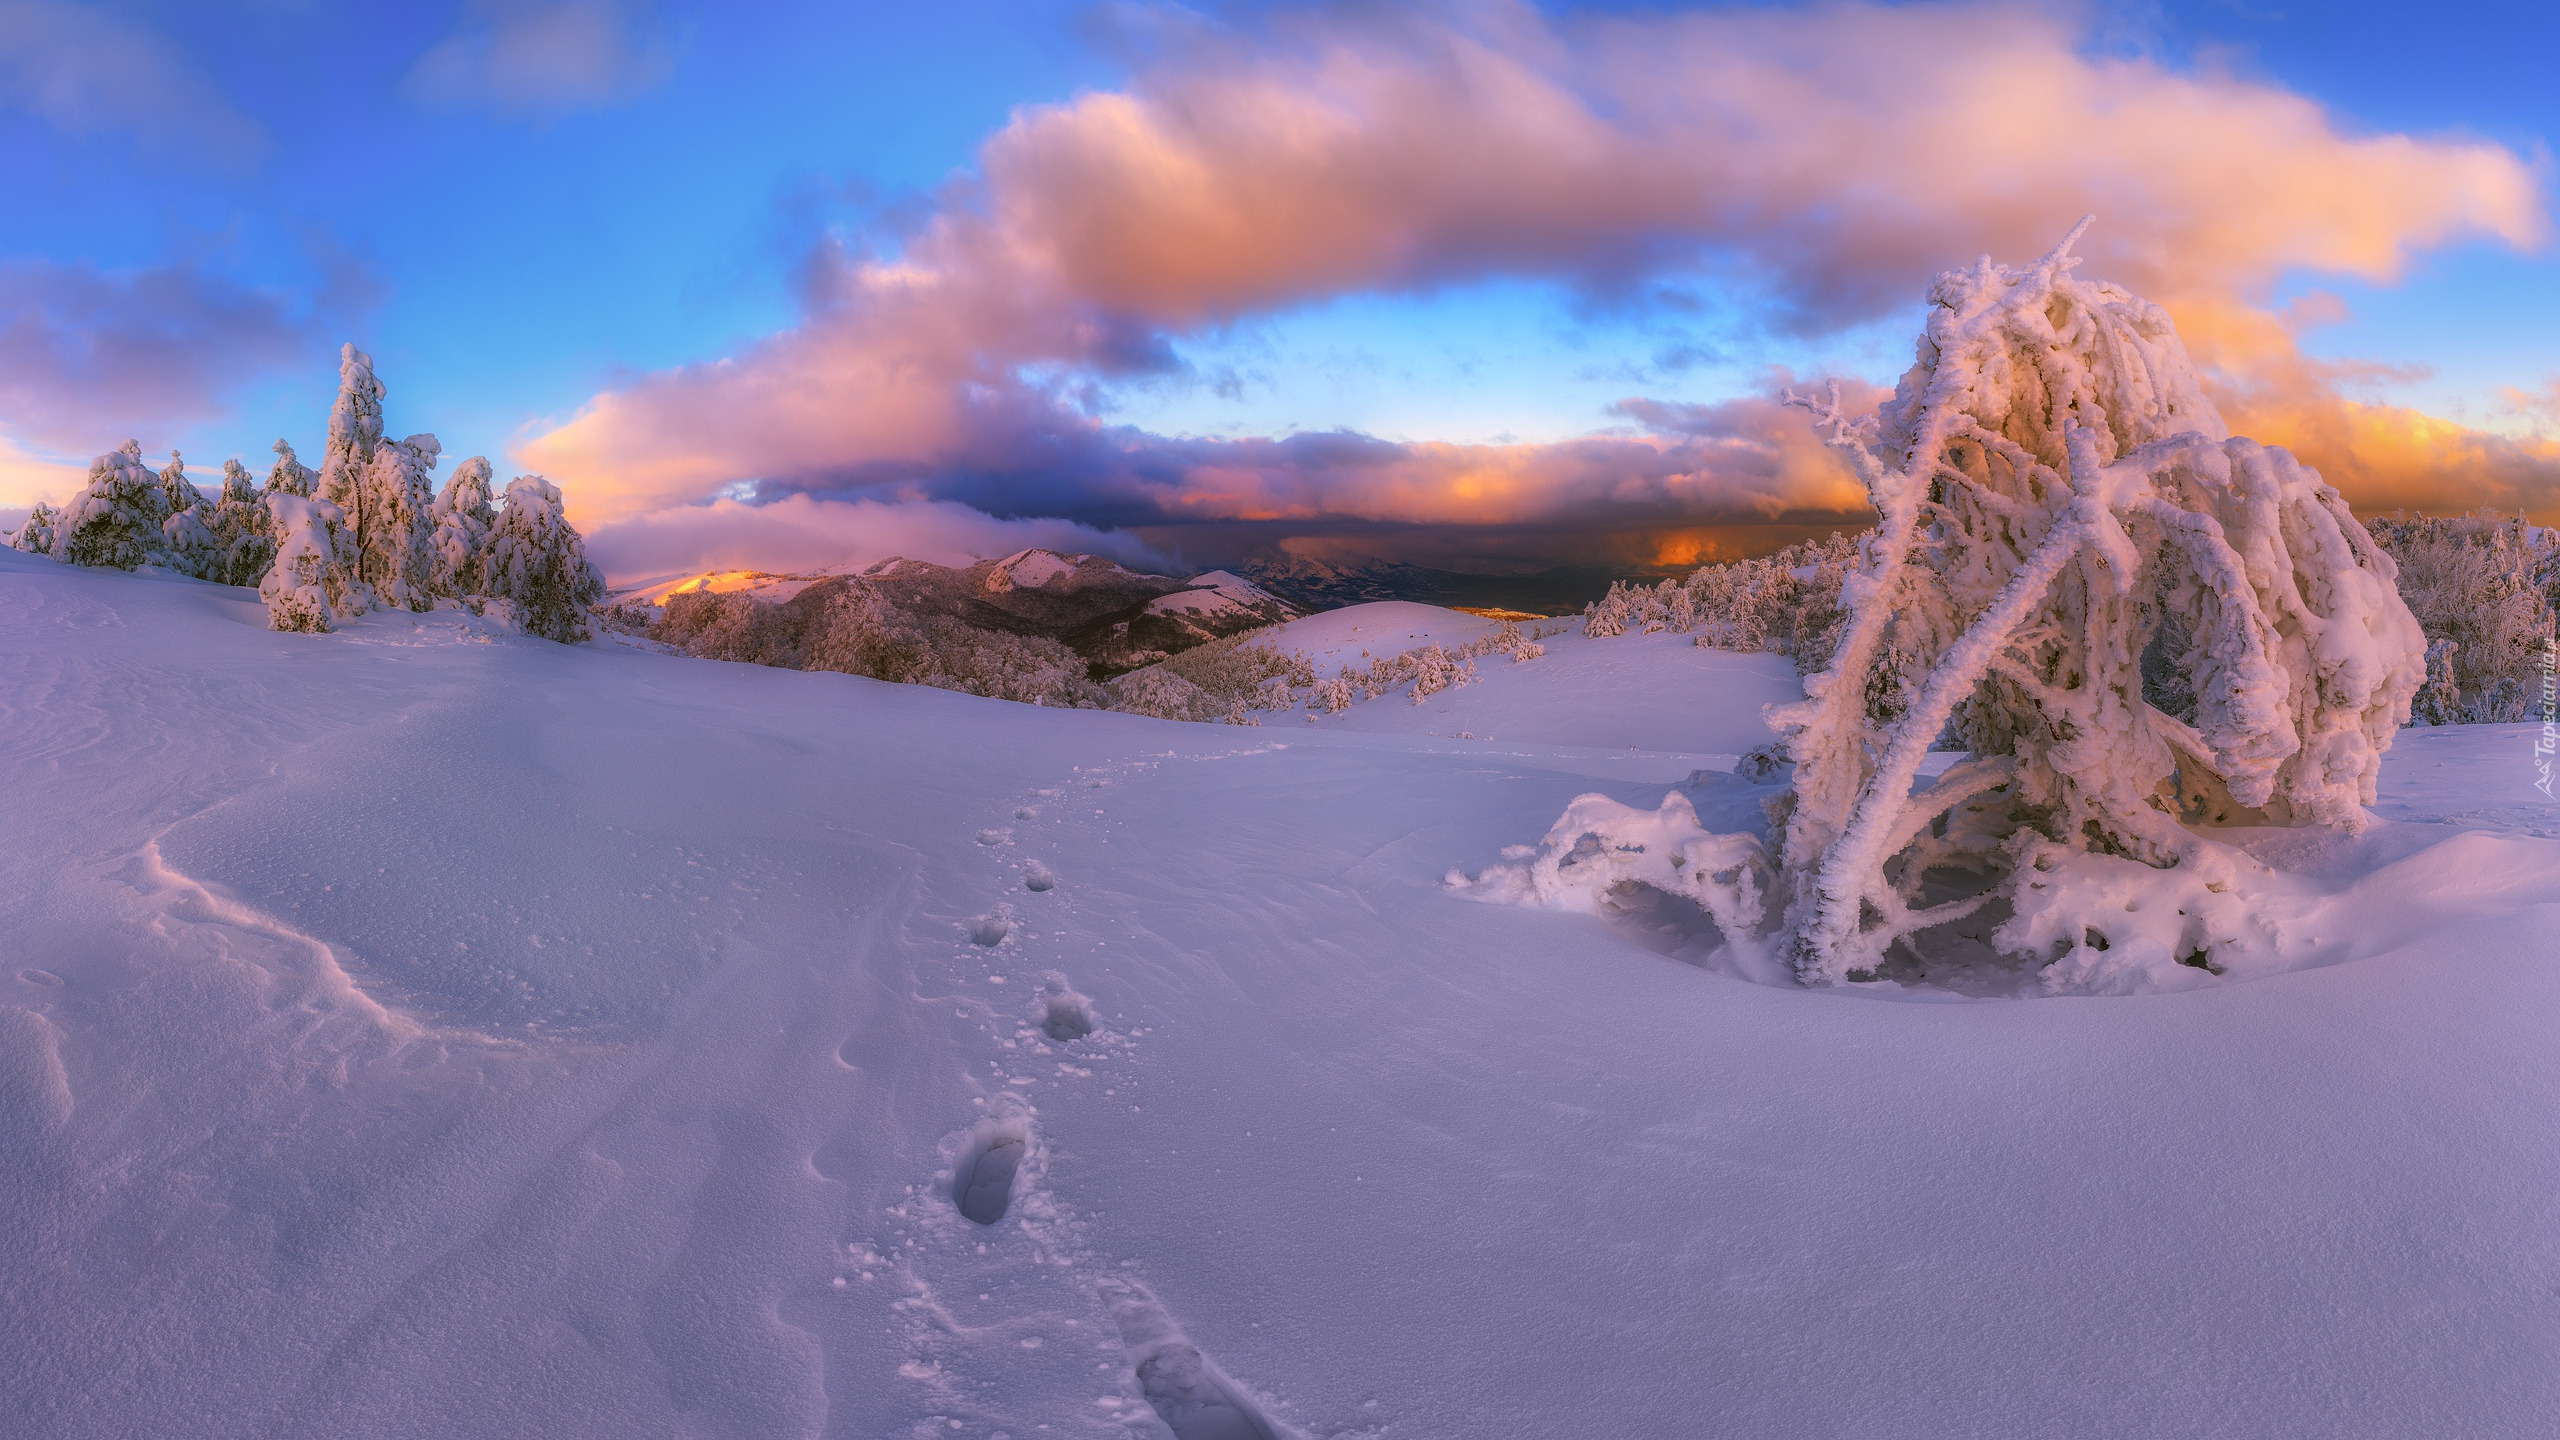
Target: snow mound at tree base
[{"x": 2247, "y": 905}]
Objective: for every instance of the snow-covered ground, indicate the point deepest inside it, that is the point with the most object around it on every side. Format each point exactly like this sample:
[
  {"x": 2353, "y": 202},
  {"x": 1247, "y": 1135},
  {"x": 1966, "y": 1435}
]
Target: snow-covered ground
[{"x": 423, "y": 1030}]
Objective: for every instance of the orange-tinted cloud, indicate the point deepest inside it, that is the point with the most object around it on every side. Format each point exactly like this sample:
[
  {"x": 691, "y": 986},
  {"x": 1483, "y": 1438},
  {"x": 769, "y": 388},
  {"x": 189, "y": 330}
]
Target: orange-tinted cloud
[
  {"x": 1826, "y": 161},
  {"x": 2391, "y": 457},
  {"x": 2380, "y": 456}
]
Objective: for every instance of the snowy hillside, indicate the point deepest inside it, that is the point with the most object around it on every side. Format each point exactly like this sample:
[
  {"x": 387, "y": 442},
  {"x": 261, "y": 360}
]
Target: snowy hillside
[
  {"x": 1218, "y": 593},
  {"x": 763, "y": 584},
  {"x": 1113, "y": 618},
  {"x": 426, "y": 1030}
]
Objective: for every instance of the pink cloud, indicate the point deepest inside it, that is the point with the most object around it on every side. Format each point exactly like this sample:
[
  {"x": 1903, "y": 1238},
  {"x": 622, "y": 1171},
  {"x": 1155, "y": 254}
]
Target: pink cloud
[{"x": 1827, "y": 160}]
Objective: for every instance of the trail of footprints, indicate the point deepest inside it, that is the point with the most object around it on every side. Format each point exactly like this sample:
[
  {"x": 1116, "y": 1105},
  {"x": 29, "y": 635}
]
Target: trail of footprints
[{"x": 998, "y": 1160}]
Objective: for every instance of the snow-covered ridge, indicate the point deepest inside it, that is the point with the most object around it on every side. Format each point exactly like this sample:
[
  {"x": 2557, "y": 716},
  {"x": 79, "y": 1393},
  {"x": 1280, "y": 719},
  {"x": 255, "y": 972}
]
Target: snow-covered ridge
[
  {"x": 1219, "y": 593},
  {"x": 1030, "y": 569},
  {"x": 764, "y": 584},
  {"x": 1106, "y": 614}
]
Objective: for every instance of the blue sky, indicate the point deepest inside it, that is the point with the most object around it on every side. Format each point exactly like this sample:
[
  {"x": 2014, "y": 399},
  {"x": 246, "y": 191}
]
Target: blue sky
[
  {"x": 513, "y": 238},
  {"x": 503, "y": 258}
]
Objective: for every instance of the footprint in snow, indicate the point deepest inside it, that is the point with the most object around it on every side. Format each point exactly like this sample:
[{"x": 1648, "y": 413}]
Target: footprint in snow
[
  {"x": 49, "y": 980},
  {"x": 1064, "y": 1014},
  {"x": 1036, "y": 877},
  {"x": 989, "y": 1164},
  {"x": 1194, "y": 1398},
  {"x": 995, "y": 837},
  {"x": 991, "y": 928},
  {"x": 1194, "y": 1402}
]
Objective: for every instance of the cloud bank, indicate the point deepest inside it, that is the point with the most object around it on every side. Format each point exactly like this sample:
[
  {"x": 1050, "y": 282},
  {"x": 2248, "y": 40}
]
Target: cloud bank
[
  {"x": 800, "y": 533},
  {"x": 1821, "y": 164},
  {"x": 90, "y": 356}
]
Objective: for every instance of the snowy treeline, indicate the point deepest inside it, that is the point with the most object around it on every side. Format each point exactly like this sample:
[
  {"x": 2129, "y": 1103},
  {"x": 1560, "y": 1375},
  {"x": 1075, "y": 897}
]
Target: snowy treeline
[
  {"x": 1231, "y": 680},
  {"x": 1788, "y": 602},
  {"x": 1224, "y": 680},
  {"x": 1236, "y": 679},
  {"x": 1429, "y": 669},
  {"x": 2485, "y": 589},
  {"x": 2064, "y": 520},
  {"x": 367, "y": 531}
]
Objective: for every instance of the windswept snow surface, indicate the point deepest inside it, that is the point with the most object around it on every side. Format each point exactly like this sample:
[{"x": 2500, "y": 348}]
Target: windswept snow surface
[{"x": 423, "y": 1030}]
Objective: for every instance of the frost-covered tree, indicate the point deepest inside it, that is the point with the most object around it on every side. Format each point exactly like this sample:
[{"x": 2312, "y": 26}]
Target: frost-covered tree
[
  {"x": 2439, "y": 698},
  {"x": 290, "y": 476},
  {"x": 461, "y": 521},
  {"x": 187, "y": 532},
  {"x": 115, "y": 520},
  {"x": 36, "y": 536},
  {"x": 2482, "y": 587},
  {"x": 177, "y": 492},
  {"x": 736, "y": 626},
  {"x": 355, "y": 431},
  {"x": 537, "y": 564},
  {"x": 239, "y": 525},
  {"x": 312, "y": 583},
  {"x": 395, "y": 530},
  {"x": 2055, "y": 495}
]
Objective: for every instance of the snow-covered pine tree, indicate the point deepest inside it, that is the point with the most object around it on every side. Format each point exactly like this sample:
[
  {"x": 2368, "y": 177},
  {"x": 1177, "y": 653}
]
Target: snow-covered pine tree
[
  {"x": 115, "y": 520},
  {"x": 396, "y": 532},
  {"x": 2055, "y": 494},
  {"x": 177, "y": 492},
  {"x": 537, "y": 563},
  {"x": 187, "y": 532},
  {"x": 36, "y": 535},
  {"x": 355, "y": 430},
  {"x": 240, "y": 529},
  {"x": 312, "y": 582},
  {"x": 462, "y": 519},
  {"x": 290, "y": 476}
]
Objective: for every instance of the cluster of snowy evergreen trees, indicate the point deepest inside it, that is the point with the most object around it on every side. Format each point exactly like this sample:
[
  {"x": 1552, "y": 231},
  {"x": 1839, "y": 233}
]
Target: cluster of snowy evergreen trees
[
  {"x": 367, "y": 531},
  {"x": 1788, "y": 602}
]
